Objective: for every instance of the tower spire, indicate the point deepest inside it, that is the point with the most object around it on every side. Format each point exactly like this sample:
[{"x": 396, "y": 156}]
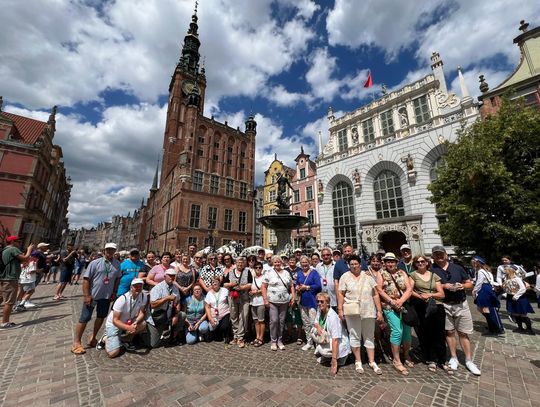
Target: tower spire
[
  {"x": 320, "y": 142},
  {"x": 189, "y": 59},
  {"x": 462, "y": 85},
  {"x": 155, "y": 182}
]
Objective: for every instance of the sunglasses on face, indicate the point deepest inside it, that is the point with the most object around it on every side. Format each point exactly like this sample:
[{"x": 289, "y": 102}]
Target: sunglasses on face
[
  {"x": 321, "y": 302},
  {"x": 258, "y": 268},
  {"x": 421, "y": 261}
]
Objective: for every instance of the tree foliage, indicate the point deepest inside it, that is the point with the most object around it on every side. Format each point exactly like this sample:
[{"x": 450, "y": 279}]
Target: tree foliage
[{"x": 489, "y": 186}]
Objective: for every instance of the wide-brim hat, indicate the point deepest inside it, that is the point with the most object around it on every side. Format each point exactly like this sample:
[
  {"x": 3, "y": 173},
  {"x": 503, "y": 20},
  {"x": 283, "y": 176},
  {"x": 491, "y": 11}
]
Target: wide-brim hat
[{"x": 390, "y": 256}]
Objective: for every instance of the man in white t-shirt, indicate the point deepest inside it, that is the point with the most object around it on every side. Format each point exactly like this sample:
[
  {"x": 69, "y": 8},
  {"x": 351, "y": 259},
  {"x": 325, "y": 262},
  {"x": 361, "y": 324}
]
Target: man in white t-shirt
[
  {"x": 325, "y": 268},
  {"x": 127, "y": 315},
  {"x": 27, "y": 283},
  {"x": 331, "y": 338}
]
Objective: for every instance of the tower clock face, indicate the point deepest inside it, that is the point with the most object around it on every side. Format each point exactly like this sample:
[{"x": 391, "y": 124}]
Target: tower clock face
[{"x": 187, "y": 86}]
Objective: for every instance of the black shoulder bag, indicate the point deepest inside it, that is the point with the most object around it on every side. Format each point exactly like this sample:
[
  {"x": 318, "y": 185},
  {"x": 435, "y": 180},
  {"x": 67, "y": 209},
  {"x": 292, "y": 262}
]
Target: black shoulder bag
[{"x": 408, "y": 313}]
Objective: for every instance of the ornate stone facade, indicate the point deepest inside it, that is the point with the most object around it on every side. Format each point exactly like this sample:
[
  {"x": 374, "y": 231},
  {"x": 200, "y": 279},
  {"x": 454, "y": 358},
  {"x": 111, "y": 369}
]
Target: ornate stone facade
[{"x": 381, "y": 157}]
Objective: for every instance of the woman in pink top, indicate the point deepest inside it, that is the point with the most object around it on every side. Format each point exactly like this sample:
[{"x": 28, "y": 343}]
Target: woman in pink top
[{"x": 157, "y": 273}]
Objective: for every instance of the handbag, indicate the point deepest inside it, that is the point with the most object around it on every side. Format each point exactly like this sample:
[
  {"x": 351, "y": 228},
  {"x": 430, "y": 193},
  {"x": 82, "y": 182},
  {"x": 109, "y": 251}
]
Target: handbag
[
  {"x": 352, "y": 308},
  {"x": 160, "y": 316},
  {"x": 408, "y": 313},
  {"x": 431, "y": 308}
]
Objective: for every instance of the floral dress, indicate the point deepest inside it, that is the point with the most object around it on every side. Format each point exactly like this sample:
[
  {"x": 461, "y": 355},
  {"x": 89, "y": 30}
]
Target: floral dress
[{"x": 389, "y": 286}]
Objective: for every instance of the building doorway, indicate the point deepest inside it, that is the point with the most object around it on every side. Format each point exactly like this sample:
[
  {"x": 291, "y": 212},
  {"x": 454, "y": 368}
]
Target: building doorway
[{"x": 392, "y": 240}]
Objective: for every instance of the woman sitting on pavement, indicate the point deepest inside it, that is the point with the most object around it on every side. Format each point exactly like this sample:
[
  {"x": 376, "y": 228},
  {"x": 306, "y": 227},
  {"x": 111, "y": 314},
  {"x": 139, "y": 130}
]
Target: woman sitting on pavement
[
  {"x": 360, "y": 305},
  {"x": 197, "y": 324},
  {"x": 395, "y": 288},
  {"x": 186, "y": 277},
  {"x": 430, "y": 330},
  {"x": 217, "y": 311},
  {"x": 517, "y": 303},
  {"x": 484, "y": 296},
  {"x": 278, "y": 293},
  {"x": 257, "y": 304},
  {"x": 157, "y": 273},
  {"x": 330, "y": 336},
  {"x": 308, "y": 285},
  {"x": 128, "y": 315}
]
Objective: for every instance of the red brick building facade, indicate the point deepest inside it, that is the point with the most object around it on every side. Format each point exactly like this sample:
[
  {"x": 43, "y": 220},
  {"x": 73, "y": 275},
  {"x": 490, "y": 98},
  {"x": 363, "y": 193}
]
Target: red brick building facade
[
  {"x": 205, "y": 193},
  {"x": 523, "y": 82},
  {"x": 34, "y": 190}
]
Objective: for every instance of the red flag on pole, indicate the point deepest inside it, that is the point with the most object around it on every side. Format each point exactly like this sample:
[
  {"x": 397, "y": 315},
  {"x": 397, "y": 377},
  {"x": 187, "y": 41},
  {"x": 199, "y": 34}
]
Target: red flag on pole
[{"x": 369, "y": 81}]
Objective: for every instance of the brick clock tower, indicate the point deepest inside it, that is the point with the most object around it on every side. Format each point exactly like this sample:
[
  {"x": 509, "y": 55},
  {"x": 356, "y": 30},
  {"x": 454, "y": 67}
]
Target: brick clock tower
[{"x": 205, "y": 193}]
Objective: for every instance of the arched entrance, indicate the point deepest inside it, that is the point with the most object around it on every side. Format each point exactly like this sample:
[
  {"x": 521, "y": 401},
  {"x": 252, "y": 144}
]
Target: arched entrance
[{"x": 392, "y": 240}]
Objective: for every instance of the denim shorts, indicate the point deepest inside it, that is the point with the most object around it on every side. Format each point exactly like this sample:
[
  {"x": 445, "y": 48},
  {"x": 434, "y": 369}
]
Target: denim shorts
[
  {"x": 101, "y": 312},
  {"x": 113, "y": 338}
]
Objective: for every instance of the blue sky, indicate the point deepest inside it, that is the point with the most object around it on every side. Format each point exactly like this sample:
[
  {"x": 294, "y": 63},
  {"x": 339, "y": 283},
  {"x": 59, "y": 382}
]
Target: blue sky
[{"x": 107, "y": 64}]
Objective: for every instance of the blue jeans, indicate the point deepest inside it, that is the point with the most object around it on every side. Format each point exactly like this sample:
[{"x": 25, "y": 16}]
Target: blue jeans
[{"x": 193, "y": 336}]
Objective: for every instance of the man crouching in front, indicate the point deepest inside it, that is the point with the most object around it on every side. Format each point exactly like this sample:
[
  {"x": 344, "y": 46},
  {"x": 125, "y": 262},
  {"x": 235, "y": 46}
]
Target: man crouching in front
[{"x": 126, "y": 319}]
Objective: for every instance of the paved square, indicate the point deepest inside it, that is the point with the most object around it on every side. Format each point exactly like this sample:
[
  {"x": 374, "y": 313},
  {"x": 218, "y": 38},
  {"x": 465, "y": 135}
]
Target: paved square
[{"x": 37, "y": 368}]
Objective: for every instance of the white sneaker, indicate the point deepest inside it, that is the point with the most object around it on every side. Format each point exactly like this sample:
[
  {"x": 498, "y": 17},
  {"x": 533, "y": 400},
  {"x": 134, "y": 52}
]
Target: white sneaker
[
  {"x": 29, "y": 304},
  {"x": 472, "y": 368},
  {"x": 453, "y": 363},
  {"x": 307, "y": 346}
]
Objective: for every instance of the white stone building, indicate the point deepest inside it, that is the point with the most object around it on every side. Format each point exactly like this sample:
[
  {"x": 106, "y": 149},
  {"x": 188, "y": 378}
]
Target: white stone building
[{"x": 374, "y": 171}]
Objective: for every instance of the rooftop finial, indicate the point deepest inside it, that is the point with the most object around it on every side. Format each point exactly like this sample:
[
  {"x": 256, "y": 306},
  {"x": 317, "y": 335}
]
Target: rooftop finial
[
  {"x": 523, "y": 26},
  {"x": 1, "y": 103},
  {"x": 484, "y": 87}
]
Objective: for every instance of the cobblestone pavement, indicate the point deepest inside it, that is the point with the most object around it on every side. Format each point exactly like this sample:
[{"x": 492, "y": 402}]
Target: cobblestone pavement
[{"x": 36, "y": 368}]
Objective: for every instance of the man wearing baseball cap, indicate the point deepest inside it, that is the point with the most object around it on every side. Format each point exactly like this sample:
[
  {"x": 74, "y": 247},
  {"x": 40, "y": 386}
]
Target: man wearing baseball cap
[
  {"x": 128, "y": 315},
  {"x": 165, "y": 305},
  {"x": 100, "y": 282},
  {"x": 455, "y": 281},
  {"x": 12, "y": 257},
  {"x": 405, "y": 263}
]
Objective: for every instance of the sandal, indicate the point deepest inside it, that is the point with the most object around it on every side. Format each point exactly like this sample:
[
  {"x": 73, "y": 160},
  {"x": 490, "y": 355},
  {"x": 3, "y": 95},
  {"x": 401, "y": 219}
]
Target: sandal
[
  {"x": 358, "y": 367},
  {"x": 78, "y": 350},
  {"x": 93, "y": 343},
  {"x": 401, "y": 369},
  {"x": 447, "y": 369},
  {"x": 233, "y": 342},
  {"x": 432, "y": 367},
  {"x": 409, "y": 363},
  {"x": 299, "y": 341},
  {"x": 375, "y": 368},
  {"x": 241, "y": 344},
  {"x": 257, "y": 343}
]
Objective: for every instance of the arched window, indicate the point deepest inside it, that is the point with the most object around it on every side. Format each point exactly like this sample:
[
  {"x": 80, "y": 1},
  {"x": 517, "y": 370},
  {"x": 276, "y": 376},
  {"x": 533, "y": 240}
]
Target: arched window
[
  {"x": 344, "y": 220},
  {"x": 434, "y": 170},
  {"x": 388, "y": 199}
]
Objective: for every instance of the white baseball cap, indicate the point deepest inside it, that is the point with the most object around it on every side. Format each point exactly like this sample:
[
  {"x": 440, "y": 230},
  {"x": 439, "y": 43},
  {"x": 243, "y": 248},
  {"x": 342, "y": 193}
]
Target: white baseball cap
[
  {"x": 137, "y": 281},
  {"x": 171, "y": 272},
  {"x": 110, "y": 246}
]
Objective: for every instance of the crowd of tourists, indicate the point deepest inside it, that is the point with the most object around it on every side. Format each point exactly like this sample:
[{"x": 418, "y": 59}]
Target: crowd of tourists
[{"x": 331, "y": 303}]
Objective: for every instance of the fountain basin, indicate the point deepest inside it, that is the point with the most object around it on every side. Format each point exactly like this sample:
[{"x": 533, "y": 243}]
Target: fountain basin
[{"x": 282, "y": 224}]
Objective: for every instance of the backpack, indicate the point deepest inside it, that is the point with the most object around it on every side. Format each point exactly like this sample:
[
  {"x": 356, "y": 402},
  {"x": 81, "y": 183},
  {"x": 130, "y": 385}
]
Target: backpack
[{"x": 2, "y": 264}]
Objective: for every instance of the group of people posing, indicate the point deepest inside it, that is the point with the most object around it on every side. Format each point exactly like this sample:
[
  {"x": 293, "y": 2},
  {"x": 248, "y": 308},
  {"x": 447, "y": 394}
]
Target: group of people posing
[
  {"x": 340, "y": 301},
  {"x": 331, "y": 303}
]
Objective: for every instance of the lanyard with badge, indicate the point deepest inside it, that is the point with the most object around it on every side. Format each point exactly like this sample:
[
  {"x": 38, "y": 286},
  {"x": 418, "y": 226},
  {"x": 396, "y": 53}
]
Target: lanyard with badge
[
  {"x": 324, "y": 280},
  {"x": 107, "y": 266},
  {"x": 132, "y": 303}
]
